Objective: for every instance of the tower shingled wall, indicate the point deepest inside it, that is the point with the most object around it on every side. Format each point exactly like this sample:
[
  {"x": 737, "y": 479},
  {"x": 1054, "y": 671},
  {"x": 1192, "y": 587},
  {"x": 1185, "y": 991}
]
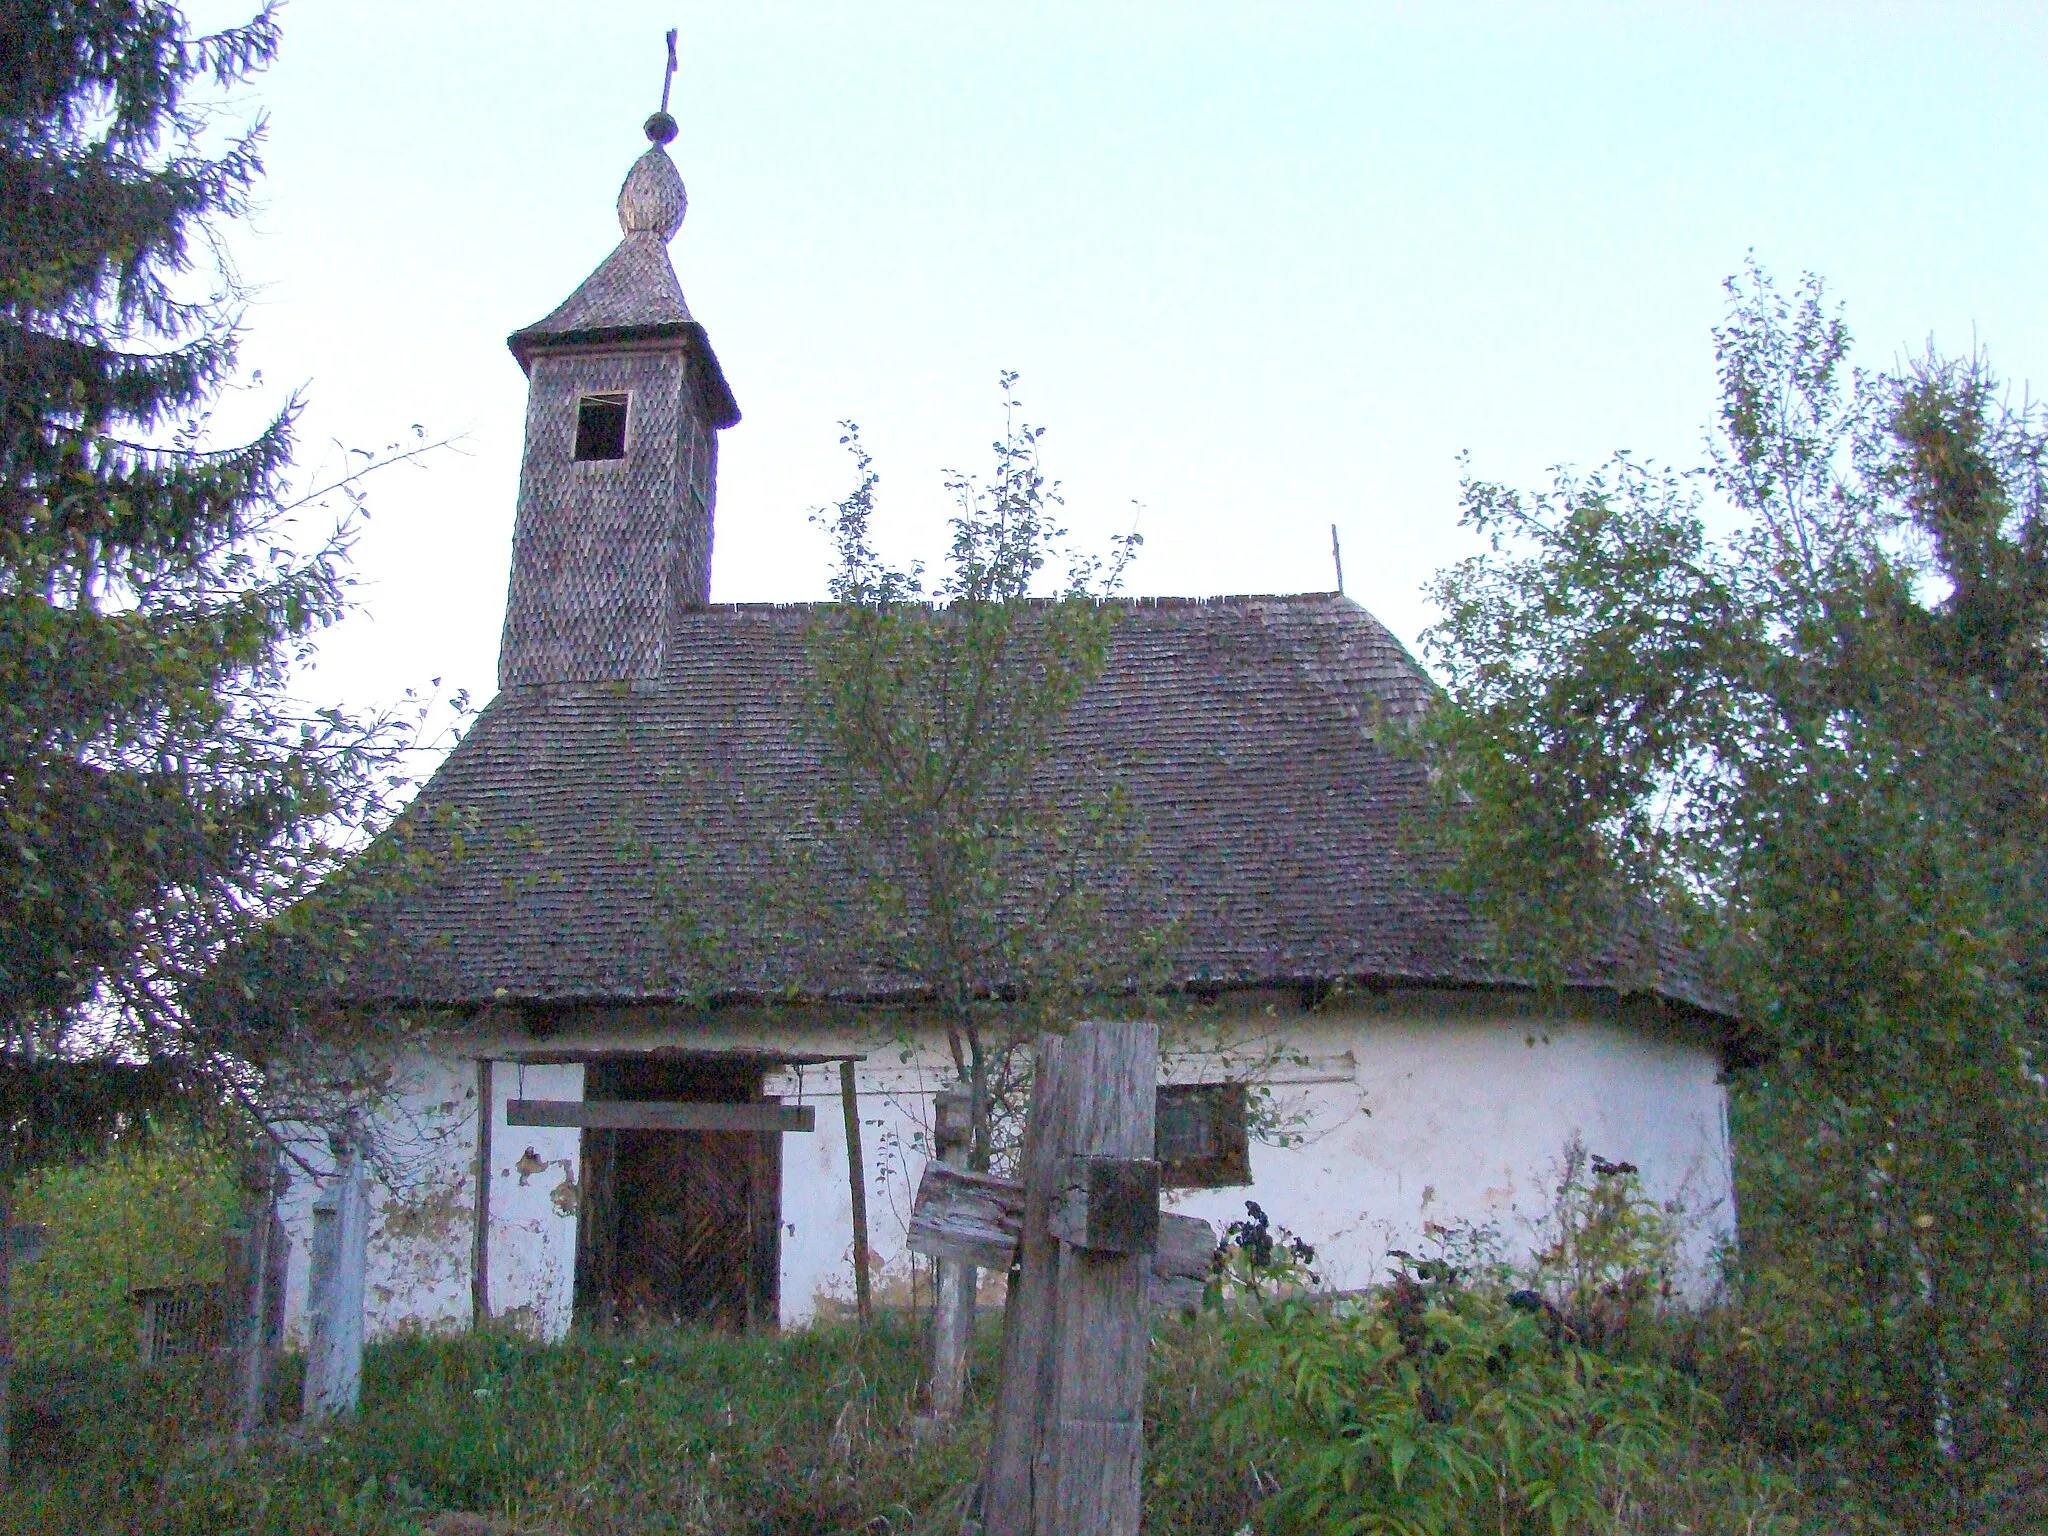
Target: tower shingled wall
[{"x": 606, "y": 552}]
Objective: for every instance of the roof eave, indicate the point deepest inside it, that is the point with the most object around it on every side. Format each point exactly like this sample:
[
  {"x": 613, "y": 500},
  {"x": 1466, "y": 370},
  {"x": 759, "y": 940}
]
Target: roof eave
[{"x": 725, "y": 411}]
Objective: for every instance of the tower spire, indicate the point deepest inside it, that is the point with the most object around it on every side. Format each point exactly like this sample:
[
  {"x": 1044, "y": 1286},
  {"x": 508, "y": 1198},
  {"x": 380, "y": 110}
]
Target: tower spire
[{"x": 619, "y": 480}]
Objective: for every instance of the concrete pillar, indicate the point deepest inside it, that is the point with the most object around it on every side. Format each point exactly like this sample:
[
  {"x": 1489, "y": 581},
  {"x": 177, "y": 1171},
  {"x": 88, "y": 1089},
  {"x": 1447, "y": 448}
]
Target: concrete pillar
[{"x": 340, "y": 1263}]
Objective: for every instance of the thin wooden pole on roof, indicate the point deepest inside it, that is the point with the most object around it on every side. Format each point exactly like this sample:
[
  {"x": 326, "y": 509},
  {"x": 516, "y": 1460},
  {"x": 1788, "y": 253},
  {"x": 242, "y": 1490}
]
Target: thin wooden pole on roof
[{"x": 857, "y": 1186}]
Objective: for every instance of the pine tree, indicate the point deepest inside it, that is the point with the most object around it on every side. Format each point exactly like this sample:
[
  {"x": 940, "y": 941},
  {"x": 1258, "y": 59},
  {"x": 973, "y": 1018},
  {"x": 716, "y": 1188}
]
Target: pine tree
[{"x": 161, "y": 793}]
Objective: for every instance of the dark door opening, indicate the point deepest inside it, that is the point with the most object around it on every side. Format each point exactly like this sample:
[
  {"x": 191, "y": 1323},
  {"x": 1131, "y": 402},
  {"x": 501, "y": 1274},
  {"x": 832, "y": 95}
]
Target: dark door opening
[{"x": 679, "y": 1226}]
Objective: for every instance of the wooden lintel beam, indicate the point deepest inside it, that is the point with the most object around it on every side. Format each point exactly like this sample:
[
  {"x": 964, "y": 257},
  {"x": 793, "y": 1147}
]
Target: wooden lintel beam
[{"x": 656, "y": 1115}]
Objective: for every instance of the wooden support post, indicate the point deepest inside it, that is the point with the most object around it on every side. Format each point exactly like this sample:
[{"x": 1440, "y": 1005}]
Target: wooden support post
[
  {"x": 856, "y": 1187},
  {"x": 480, "y": 1230},
  {"x": 953, "y": 1309},
  {"x": 341, "y": 1237}
]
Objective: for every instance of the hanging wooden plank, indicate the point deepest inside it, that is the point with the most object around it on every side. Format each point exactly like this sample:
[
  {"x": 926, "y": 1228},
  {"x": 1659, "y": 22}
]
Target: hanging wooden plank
[
  {"x": 973, "y": 1218},
  {"x": 654, "y": 1115}
]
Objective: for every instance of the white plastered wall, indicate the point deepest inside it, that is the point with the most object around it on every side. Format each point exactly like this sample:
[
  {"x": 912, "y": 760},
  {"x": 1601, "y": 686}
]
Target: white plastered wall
[
  {"x": 1400, "y": 1112},
  {"x": 535, "y": 1187},
  {"x": 422, "y": 1194},
  {"x": 1452, "y": 1113},
  {"x": 423, "y": 1202}
]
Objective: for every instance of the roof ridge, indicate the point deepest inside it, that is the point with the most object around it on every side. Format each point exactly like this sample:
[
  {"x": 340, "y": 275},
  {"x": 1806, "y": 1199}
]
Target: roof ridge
[{"x": 1160, "y": 601}]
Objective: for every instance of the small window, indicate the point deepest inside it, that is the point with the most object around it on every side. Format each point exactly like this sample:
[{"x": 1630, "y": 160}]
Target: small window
[
  {"x": 601, "y": 427},
  {"x": 1200, "y": 1138}
]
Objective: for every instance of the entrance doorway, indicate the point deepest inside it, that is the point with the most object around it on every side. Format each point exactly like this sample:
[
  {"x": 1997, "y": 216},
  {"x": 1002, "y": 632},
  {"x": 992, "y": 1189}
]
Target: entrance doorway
[{"x": 678, "y": 1226}]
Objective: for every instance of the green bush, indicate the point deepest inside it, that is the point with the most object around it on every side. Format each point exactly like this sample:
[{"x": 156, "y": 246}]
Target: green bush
[
  {"x": 146, "y": 1215},
  {"x": 1411, "y": 1414}
]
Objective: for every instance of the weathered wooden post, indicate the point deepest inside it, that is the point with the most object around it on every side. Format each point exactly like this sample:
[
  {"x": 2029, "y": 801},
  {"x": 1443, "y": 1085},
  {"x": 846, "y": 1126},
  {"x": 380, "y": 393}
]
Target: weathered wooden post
[
  {"x": 340, "y": 1254},
  {"x": 1068, "y": 1453},
  {"x": 1093, "y": 1258},
  {"x": 480, "y": 1211},
  {"x": 953, "y": 1311},
  {"x": 1104, "y": 1212},
  {"x": 1026, "y": 1386},
  {"x": 856, "y": 1185}
]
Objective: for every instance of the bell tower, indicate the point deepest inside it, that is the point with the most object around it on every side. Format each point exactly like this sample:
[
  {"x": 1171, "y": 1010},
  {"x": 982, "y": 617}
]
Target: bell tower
[{"x": 619, "y": 477}]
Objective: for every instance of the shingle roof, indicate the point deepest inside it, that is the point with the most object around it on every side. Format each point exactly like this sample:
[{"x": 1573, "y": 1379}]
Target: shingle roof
[
  {"x": 634, "y": 296},
  {"x": 634, "y": 286},
  {"x": 1243, "y": 730}
]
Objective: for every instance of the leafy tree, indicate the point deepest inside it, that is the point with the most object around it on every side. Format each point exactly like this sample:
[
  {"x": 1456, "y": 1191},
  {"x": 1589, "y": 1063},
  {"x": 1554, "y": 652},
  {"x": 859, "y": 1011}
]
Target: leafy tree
[
  {"x": 975, "y": 845},
  {"x": 1795, "y": 699}
]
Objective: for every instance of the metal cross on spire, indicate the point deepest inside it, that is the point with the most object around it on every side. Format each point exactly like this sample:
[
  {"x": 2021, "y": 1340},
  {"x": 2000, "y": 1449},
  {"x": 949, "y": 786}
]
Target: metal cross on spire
[{"x": 661, "y": 128}]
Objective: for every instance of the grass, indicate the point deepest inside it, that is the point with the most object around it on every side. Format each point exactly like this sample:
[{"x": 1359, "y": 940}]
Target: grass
[
  {"x": 154, "y": 1214},
  {"x": 676, "y": 1432},
  {"x": 679, "y": 1432}
]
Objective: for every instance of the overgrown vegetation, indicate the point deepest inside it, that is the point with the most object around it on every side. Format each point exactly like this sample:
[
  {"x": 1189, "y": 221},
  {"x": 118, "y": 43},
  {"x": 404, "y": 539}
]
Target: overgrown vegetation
[
  {"x": 811, "y": 1433},
  {"x": 685, "y": 1432},
  {"x": 147, "y": 1215},
  {"x": 1817, "y": 740},
  {"x": 1466, "y": 1396},
  {"x": 972, "y": 873}
]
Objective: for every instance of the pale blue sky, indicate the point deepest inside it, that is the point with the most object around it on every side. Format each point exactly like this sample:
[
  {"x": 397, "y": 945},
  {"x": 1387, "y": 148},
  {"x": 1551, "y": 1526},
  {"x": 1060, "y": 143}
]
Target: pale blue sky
[{"x": 1263, "y": 268}]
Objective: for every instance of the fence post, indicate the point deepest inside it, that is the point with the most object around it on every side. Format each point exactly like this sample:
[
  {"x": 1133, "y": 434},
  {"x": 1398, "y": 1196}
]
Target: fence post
[
  {"x": 953, "y": 1311},
  {"x": 341, "y": 1237}
]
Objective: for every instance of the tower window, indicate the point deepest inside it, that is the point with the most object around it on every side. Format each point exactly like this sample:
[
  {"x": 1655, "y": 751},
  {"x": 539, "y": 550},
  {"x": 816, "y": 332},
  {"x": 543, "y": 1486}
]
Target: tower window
[{"x": 601, "y": 427}]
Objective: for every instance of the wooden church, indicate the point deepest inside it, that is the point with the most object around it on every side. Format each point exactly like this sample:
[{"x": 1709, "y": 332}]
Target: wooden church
[{"x": 587, "y": 1133}]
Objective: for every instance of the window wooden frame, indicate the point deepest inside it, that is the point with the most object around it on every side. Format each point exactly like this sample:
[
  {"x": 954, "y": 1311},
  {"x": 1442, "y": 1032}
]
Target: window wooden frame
[
  {"x": 1228, "y": 1162},
  {"x": 595, "y": 423}
]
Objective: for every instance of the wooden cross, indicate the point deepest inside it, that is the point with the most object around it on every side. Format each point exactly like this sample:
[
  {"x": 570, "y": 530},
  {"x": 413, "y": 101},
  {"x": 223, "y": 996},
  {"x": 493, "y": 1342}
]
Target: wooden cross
[{"x": 1094, "y": 1255}]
